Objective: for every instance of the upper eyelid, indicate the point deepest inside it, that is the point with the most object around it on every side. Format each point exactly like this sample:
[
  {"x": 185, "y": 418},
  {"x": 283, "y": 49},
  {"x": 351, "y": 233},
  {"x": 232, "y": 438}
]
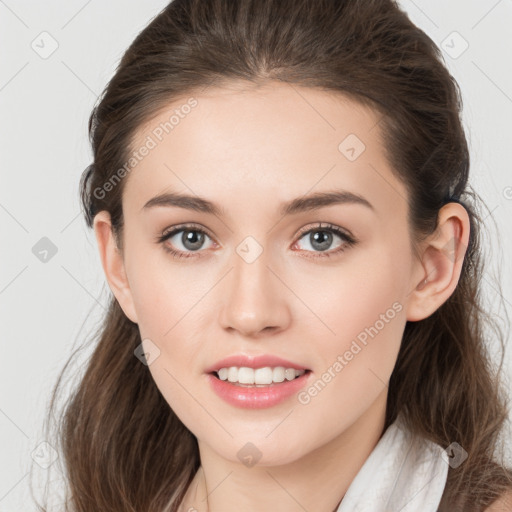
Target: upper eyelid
[
  {"x": 185, "y": 227},
  {"x": 327, "y": 227}
]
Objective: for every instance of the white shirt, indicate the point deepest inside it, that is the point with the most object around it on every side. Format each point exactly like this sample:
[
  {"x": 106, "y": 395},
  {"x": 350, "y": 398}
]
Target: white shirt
[{"x": 402, "y": 473}]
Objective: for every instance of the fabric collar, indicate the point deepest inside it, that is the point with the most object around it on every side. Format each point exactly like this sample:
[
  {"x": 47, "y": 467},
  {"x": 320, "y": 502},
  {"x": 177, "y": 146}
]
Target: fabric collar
[{"x": 402, "y": 473}]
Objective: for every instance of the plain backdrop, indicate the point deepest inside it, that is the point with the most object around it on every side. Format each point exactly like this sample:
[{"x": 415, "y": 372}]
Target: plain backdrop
[{"x": 56, "y": 57}]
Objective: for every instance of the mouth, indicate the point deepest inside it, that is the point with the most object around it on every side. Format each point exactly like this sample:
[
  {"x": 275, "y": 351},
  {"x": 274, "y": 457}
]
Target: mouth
[{"x": 257, "y": 388}]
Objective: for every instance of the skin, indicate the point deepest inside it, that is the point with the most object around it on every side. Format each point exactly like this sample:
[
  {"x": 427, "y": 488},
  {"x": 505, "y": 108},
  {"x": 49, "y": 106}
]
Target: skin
[{"x": 249, "y": 150}]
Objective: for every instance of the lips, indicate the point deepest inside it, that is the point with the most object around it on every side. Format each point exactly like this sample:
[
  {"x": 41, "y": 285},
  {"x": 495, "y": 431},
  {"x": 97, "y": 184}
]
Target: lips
[
  {"x": 257, "y": 397},
  {"x": 259, "y": 361}
]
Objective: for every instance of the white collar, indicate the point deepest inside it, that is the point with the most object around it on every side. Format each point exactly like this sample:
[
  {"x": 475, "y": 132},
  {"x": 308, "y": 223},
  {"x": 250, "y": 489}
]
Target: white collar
[{"x": 402, "y": 473}]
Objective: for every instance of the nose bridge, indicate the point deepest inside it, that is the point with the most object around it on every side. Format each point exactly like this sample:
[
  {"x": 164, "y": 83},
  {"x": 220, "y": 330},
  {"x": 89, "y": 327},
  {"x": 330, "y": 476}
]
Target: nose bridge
[{"x": 254, "y": 298}]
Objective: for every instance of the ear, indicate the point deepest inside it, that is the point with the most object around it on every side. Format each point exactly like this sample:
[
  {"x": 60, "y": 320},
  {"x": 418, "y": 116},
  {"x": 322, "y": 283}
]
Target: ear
[
  {"x": 113, "y": 263},
  {"x": 440, "y": 264}
]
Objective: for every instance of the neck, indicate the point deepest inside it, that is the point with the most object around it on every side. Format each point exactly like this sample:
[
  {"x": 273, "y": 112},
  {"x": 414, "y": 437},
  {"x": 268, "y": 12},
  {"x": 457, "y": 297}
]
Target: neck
[{"x": 318, "y": 481}]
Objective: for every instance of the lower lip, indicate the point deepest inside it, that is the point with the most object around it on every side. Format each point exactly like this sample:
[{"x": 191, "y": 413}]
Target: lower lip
[{"x": 257, "y": 397}]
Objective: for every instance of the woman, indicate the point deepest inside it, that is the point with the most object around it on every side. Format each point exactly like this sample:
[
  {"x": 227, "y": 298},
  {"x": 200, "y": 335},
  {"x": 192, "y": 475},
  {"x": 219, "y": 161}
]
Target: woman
[{"x": 280, "y": 198}]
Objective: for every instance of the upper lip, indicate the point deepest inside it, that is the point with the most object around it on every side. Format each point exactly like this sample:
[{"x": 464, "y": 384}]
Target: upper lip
[{"x": 247, "y": 361}]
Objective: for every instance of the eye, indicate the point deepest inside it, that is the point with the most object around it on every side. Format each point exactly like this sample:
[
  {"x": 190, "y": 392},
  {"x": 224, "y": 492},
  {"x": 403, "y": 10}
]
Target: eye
[
  {"x": 192, "y": 238},
  {"x": 186, "y": 238},
  {"x": 320, "y": 239}
]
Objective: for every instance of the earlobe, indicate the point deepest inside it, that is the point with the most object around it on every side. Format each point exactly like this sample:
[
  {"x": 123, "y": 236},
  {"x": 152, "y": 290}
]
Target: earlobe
[
  {"x": 113, "y": 264},
  {"x": 437, "y": 274}
]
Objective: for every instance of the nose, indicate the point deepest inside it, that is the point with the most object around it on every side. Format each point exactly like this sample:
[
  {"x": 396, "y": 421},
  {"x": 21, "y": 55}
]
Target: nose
[{"x": 254, "y": 299}]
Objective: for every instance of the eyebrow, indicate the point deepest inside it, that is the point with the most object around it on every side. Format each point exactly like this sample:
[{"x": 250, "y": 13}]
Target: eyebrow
[{"x": 301, "y": 204}]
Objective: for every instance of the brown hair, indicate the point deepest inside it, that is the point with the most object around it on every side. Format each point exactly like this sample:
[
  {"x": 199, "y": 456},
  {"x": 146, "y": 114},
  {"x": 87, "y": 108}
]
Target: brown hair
[{"x": 123, "y": 446}]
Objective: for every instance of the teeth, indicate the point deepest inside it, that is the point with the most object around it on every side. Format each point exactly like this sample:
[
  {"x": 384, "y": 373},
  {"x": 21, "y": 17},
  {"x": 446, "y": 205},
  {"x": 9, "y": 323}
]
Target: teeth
[{"x": 258, "y": 376}]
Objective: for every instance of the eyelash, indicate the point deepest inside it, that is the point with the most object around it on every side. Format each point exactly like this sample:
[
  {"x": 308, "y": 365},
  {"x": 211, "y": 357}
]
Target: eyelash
[{"x": 349, "y": 240}]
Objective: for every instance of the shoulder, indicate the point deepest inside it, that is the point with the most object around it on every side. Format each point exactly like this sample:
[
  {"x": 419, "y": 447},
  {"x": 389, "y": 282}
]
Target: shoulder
[{"x": 502, "y": 504}]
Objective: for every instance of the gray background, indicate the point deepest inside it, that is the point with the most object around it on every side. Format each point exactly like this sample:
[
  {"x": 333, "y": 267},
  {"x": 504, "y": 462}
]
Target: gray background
[{"x": 45, "y": 101}]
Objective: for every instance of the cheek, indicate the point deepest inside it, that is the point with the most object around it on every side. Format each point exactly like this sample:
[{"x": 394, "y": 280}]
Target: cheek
[
  {"x": 366, "y": 313},
  {"x": 162, "y": 294},
  {"x": 363, "y": 309},
  {"x": 168, "y": 312},
  {"x": 365, "y": 290},
  {"x": 169, "y": 303}
]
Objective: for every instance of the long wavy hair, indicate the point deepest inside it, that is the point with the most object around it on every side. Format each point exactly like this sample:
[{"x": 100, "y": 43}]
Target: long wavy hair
[{"x": 123, "y": 447}]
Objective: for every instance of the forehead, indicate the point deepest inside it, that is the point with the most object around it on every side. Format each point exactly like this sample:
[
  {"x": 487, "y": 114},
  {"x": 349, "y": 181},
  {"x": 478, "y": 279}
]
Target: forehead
[{"x": 269, "y": 143}]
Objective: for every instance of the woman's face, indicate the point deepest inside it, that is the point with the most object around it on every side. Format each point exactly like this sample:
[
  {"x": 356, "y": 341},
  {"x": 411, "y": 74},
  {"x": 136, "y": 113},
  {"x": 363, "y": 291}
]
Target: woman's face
[{"x": 268, "y": 278}]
